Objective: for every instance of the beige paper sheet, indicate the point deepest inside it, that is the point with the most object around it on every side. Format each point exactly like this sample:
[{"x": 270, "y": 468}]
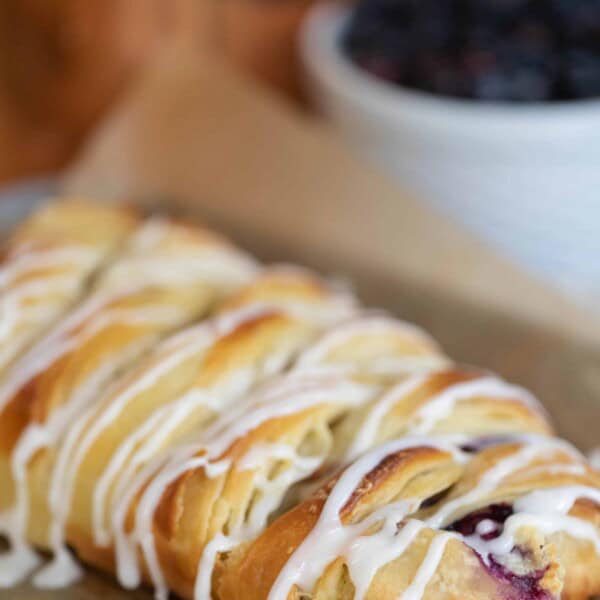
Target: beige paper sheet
[{"x": 198, "y": 135}]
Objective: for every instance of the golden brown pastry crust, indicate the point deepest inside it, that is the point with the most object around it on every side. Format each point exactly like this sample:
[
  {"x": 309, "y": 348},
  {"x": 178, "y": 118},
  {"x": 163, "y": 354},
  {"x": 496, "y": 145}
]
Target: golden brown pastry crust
[
  {"x": 207, "y": 458},
  {"x": 250, "y": 570},
  {"x": 207, "y": 506},
  {"x": 47, "y": 262},
  {"x": 254, "y": 340},
  {"x": 117, "y": 319},
  {"x": 165, "y": 276},
  {"x": 539, "y": 474}
]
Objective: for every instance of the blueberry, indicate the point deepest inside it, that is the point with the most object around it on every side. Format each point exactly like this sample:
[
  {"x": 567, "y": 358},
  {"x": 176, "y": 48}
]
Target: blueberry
[
  {"x": 579, "y": 19},
  {"x": 507, "y": 50},
  {"x": 582, "y": 73},
  {"x": 497, "y": 513}
]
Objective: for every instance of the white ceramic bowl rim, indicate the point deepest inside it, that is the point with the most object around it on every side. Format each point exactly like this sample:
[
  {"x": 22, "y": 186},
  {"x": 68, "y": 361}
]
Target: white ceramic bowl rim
[{"x": 322, "y": 54}]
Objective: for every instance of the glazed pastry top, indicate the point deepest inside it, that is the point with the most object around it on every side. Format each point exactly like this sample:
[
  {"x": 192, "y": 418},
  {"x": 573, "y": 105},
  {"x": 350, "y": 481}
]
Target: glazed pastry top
[
  {"x": 46, "y": 263},
  {"x": 192, "y": 420}
]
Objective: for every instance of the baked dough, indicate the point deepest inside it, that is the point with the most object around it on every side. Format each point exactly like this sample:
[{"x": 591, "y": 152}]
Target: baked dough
[
  {"x": 47, "y": 264},
  {"x": 205, "y": 425}
]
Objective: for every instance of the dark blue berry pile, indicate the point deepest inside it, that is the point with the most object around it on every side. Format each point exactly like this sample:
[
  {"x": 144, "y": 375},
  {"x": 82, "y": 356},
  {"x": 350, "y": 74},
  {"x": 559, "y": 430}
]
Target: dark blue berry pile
[{"x": 502, "y": 50}]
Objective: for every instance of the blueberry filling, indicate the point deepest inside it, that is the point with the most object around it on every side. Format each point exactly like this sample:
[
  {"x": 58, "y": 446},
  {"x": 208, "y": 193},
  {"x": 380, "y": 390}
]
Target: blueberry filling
[
  {"x": 521, "y": 587},
  {"x": 478, "y": 444},
  {"x": 504, "y": 50},
  {"x": 496, "y": 513},
  {"x": 526, "y": 587}
]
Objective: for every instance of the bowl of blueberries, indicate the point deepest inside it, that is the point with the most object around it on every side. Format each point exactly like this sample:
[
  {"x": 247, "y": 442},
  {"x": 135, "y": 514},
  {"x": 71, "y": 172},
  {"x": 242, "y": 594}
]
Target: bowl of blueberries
[{"x": 487, "y": 109}]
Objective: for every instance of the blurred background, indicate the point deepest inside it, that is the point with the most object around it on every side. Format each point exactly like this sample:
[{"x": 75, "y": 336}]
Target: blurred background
[
  {"x": 484, "y": 111},
  {"x": 64, "y": 63}
]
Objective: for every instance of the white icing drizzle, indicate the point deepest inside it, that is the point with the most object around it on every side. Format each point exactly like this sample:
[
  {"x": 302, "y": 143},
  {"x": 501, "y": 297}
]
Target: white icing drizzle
[
  {"x": 76, "y": 444},
  {"x": 25, "y": 263},
  {"x": 322, "y": 314},
  {"x": 22, "y": 279},
  {"x": 129, "y": 275},
  {"x": 147, "y": 506},
  {"x": 67, "y": 466},
  {"x": 277, "y": 400},
  {"x": 60, "y": 573},
  {"x": 557, "y": 469},
  {"x": 34, "y": 438},
  {"x": 390, "y": 367},
  {"x": 126, "y": 462},
  {"x": 150, "y": 260},
  {"x": 547, "y": 511},
  {"x": 15, "y": 311},
  {"x": 75, "y": 447},
  {"x": 531, "y": 447},
  {"x": 558, "y": 501},
  {"x": 325, "y": 311},
  {"x": 330, "y": 538},
  {"x": 367, "y": 434},
  {"x": 436, "y": 408},
  {"x": 19, "y": 562},
  {"x": 316, "y": 357},
  {"x": 202, "y": 585},
  {"x": 137, "y": 449},
  {"x": 142, "y": 465},
  {"x": 416, "y": 589},
  {"x": 63, "y": 480},
  {"x": 150, "y": 234},
  {"x": 486, "y": 526},
  {"x": 260, "y": 454},
  {"x": 366, "y": 554},
  {"x": 441, "y": 406},
  {"x": 168, "y": 417},
  {"x": 212, "y": 266},
  {"x": 272, "y": 491},
  {"x": 594, "y": 458},
  {"x": 96, "y": 311}
]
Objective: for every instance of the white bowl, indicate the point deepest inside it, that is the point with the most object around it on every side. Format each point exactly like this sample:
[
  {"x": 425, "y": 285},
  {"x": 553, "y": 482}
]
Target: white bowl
[{"x": 526, "y": 177}]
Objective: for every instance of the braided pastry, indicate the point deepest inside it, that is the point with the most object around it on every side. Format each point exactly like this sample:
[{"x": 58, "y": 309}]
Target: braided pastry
[
  {"x": 46, "y": 264},
  {"x": 430, "y": 517},
  {"x": 166, "y": 275},
  {"x": 206, "y": 426}
]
